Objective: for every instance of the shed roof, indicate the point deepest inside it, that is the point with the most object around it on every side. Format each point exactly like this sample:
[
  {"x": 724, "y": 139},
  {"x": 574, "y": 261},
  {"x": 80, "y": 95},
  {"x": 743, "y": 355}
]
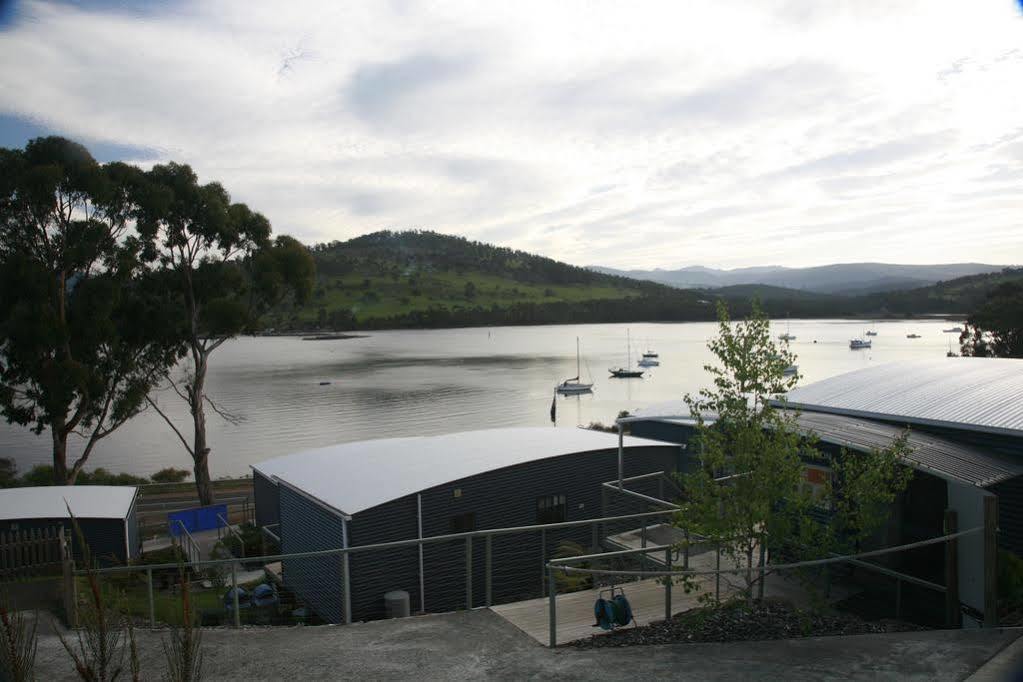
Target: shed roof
[
  {"x": 976, "y": 394},
  {"x": 52, "y": 502},
  {"x": 352, "y": 477},
  {"x": 943, "y": 457}
]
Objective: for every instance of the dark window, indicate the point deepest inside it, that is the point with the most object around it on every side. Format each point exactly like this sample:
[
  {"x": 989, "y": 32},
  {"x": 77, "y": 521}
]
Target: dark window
[
  {"x": 550, "y": 509},
  {"x": 463, "y": 523}
]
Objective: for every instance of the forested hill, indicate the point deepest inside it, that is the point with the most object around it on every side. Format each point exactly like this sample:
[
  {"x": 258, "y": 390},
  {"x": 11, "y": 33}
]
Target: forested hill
[{"x": 425, "y": 279}]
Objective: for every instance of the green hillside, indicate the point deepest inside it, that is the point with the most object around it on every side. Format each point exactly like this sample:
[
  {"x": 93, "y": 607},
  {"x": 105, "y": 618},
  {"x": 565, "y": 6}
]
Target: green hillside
[
  {"x": 408, "y": 279},
  {"x": 426, "y": 279}
]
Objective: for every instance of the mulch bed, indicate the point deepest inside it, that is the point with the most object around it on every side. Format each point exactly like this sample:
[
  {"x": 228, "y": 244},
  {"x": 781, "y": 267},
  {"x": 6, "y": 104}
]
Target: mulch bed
[{"x": 738, "y": 621}]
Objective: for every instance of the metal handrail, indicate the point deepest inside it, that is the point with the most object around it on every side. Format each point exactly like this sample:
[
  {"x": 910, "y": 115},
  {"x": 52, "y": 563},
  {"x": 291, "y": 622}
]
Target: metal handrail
[
  {"x": 230, "y": 529},
  {"x": 340, "y": 551}
]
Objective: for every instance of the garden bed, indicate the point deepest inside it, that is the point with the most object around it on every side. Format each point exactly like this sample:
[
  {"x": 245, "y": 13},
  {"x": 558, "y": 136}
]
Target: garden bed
[{"x": 738, "y": 621}]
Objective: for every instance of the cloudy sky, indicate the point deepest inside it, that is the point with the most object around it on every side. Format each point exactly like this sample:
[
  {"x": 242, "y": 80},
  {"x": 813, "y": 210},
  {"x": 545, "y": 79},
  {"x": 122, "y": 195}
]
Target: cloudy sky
[{"x": 628, "y": 134}]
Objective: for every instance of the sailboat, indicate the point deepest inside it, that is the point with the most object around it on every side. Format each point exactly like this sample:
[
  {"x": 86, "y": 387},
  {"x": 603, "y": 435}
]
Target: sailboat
[
  {"x": 786, "y": 336},
  {"x": 573, "y": 386},
  {"x": 626, "y": 372},
  {"x": 871, "y": 331}
]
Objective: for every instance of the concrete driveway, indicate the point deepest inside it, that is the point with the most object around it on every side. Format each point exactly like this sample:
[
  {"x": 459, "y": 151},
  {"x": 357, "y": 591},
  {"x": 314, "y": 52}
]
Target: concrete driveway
[{"x": 477, "y": 644}]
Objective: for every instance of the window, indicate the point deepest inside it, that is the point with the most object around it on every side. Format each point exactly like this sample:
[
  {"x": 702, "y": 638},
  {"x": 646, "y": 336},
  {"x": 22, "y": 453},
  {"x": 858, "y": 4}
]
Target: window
[
  {"x": 463, "y": 523},
  {"x": 550, "y": 509}
]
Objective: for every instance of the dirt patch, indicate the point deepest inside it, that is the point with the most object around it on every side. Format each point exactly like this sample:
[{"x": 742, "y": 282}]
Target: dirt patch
[{"x": 738, "y": 621}]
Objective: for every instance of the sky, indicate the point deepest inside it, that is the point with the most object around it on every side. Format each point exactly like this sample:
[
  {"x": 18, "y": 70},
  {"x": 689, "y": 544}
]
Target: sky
[{"x": 627, "y": 134}]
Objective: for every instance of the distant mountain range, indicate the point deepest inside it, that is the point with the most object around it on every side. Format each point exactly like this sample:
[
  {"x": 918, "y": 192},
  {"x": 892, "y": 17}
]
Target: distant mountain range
[{"x": 849, "y": 279}]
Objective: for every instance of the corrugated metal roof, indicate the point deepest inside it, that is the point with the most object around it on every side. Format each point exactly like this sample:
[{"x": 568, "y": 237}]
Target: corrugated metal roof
[
  {"x": 352, "y": 477},
  {"x": 977, "y": 394},
  {"x": 52, "y": 502},
  {"x": 943, "y": 457}
]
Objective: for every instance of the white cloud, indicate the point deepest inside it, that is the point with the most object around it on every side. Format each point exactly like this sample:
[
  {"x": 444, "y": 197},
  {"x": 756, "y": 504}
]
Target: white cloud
[{"x": 627, "y": 134}]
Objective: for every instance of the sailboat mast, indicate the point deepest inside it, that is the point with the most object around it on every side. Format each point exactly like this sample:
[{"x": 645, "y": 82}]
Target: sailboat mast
[{"x": 577, "y": 374}]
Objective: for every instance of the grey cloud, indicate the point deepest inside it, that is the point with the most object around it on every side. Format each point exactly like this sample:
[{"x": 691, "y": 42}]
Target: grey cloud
[
  {"x": 380, "y": 92},
  {"x": 872, "y": 156}
]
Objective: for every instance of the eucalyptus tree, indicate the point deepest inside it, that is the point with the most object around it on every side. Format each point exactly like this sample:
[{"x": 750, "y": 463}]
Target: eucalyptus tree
[
  {"x": 80, "y": 346},
  {"x": 226, "y": 272},
  {"x": 995, "y": 329}
]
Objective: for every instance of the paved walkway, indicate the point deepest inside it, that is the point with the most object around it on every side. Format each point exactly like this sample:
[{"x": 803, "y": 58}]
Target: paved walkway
[{"x": 478, "y": 644}]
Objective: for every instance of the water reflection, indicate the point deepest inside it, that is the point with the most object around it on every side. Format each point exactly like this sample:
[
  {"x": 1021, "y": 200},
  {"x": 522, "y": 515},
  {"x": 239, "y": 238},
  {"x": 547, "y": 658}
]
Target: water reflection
[{"x": 402, "y": 383}]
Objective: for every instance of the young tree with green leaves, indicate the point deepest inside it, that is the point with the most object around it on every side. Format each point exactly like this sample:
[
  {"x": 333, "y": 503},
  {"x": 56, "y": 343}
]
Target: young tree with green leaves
[
  {"x": 749, "y": 494},
  {"x": 227, "y": 273},
  {"x": 78, "y": 352}
]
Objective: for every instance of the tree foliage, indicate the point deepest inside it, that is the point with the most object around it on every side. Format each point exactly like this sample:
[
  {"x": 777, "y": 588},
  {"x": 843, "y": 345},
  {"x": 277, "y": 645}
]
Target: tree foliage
[
  {"x": 80, "y": 328},
  {"x": 219, "y": 259},
  {"x": 750, "y": 494},
  {"x": 995, "y": 328}
]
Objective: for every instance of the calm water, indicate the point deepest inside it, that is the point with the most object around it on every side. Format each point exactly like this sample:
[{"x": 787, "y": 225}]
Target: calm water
[{"x": 403, "y": 383}]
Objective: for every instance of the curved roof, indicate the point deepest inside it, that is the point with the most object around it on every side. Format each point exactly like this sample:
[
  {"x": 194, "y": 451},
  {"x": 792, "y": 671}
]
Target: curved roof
[
  {"x": 975, "y": 394},
  {"x": 352, "y": 477},
  {"x": 52, "y": 502}
]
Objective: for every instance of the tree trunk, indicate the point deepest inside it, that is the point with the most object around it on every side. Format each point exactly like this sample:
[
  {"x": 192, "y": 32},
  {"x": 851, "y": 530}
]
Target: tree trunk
[
  {"x": 60, "y": 472},
  {"x": 200, "y": 451}
]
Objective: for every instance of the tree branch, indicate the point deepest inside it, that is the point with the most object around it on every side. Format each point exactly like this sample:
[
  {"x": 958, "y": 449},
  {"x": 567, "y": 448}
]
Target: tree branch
[{"x": 171, "y": 424}]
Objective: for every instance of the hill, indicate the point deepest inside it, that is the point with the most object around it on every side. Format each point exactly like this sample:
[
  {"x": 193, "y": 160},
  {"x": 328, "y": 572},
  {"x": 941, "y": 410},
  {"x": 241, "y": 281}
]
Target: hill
[
  {"x": 425, "y": 279},
  {"x": 842, "y": 279}
]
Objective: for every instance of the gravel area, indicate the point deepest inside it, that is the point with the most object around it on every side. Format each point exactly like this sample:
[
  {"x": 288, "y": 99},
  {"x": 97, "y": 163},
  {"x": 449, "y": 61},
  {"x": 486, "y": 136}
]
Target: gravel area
[{"x": 740, "y": 622}]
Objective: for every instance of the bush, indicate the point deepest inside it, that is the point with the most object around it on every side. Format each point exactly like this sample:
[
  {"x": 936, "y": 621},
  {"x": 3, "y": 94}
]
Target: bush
[{"x": 170, "y": 475}]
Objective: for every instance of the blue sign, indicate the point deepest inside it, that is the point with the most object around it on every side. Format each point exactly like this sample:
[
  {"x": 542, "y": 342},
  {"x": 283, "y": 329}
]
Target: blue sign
[{"x": 197, "y": 518}]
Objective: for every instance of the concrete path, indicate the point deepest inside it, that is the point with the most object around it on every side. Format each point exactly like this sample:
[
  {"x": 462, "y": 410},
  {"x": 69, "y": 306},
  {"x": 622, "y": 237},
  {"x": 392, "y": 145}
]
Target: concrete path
[{"x": 478, "y": 644}]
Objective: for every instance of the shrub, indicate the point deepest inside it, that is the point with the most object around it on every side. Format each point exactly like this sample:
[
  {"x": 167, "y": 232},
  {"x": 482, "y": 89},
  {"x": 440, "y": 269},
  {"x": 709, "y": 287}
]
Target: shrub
[{"x": 170, "y": 475}]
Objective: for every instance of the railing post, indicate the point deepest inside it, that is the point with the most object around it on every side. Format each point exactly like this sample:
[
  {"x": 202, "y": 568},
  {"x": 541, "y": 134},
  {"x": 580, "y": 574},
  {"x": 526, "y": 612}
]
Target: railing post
[
  {"x": 667, "y": 585},
  {"x": 488, "y": 567},
  {"x": 552, "y": 607},
  {"x": 543, "y": 561},
  {"x": 468, "y": 572},
  {"x": 952, "y": 610},
  {"x": 234, "y": 592},
  {"x": 990, "y": 561},
  {"x": 152, "y": 608},
  {"x": 717, "y": 576},
  {"x": 898, "y": 599},
  {"x": 346, "y": 588},
  {"x": 642, "y": 534},
  {"x": 595, "y": 536},
  {"x": 685, "y": 552},
  {"x": 762, "y": 573}
]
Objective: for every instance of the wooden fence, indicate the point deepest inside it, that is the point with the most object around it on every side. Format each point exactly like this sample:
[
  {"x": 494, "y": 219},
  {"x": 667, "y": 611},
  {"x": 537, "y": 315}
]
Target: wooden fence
[{"x": 31, "y": 552}]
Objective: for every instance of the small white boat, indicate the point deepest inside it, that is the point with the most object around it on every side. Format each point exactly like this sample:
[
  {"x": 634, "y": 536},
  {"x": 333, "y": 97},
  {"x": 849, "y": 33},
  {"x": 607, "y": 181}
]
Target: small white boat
[
  {"x": 787, "y": 336},
  {"x": 858, "y": 344},
  {"x": 648, "y": 361},
  {"x": 650, "y": 354},
  {"x": 790, "y": 370},
  {"x": 953, "y": 330},
  {"x": 573, "y": 386},
  {"x": 912, "y": 336},
  {"x": 871, "y": 331}
]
